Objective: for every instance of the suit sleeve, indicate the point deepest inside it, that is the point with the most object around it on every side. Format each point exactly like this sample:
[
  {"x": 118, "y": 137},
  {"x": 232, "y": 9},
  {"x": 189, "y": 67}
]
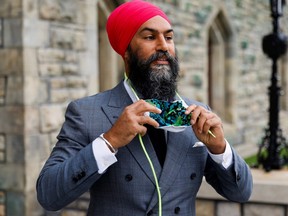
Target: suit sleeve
[
  {"x": 234, "y": 183},
  {"x": 71, "y": 168}
]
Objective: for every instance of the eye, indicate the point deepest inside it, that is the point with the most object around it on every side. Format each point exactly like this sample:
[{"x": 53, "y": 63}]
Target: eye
[
  {"x": 169, "y": 37},
  {"x": 149, "y": 37}
]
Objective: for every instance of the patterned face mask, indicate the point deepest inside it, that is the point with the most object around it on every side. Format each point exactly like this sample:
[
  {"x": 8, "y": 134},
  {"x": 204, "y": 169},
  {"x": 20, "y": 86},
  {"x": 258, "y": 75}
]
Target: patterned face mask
[{"x": 172, "y": 117}]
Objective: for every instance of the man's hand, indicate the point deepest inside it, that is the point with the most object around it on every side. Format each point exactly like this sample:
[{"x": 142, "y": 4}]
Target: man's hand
[
  {"x": 130, "y": 123},
  {"x": 203, "y": 120}
]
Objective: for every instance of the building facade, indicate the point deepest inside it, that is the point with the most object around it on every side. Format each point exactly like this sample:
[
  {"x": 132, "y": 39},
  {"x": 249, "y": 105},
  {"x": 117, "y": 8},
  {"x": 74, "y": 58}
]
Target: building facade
[{"x": 55, "y": 51}]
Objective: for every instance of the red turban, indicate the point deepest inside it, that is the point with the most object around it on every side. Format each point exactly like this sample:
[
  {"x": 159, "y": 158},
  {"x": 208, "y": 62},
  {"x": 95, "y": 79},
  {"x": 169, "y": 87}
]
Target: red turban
[{"x": 125, "y": 21}]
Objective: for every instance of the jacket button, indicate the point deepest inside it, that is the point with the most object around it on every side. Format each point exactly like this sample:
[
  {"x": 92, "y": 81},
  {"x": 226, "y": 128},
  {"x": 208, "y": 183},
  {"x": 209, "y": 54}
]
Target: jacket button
[
  {"x": 150, "y": 213},
  {"x": 193, "y": 176},
  {"x": 128, "y": 177},
  {"x": 81, "y": 175},
  {"x": 177, "y": 210},
  {"x": 238, "y": 177}
]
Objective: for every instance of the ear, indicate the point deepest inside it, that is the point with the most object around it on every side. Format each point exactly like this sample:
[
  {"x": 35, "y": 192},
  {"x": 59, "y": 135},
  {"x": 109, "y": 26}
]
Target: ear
[
  {"x": 126, "y": 56},
  {"x": 126, "y": 62}
]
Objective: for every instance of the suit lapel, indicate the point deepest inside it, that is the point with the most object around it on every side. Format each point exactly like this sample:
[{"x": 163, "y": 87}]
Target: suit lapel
[{"x": 119, "y": 99}]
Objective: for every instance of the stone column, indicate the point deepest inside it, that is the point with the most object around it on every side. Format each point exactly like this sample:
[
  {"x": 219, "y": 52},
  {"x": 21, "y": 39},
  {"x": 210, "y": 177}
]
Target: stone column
[
  {"x": 12, "y": 159},
  {"x": 47, "y": 58}
]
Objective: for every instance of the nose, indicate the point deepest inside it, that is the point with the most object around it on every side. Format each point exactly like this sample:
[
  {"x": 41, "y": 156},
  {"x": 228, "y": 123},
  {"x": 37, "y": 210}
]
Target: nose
[{"x": 162, "y": 44}]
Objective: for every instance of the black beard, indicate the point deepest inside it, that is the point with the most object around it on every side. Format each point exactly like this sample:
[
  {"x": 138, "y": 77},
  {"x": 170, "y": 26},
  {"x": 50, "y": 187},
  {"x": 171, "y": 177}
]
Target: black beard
[{"x": 159, "y": 82}]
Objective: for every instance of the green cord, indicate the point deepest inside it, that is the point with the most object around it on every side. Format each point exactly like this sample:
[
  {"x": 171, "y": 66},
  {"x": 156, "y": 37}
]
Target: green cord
[
  {"x": 148, "y": 158},
  {"x": 154, "y": 175}
]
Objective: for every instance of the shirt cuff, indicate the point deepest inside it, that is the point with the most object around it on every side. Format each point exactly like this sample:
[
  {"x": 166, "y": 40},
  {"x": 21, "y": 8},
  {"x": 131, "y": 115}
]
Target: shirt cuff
[
  {"x": 102, "y": 154},
  {"x": 226, "y": 158}
]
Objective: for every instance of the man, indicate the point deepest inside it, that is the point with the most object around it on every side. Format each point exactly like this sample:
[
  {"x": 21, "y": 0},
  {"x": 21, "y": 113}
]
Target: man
[{"x": 99, "y": 147}]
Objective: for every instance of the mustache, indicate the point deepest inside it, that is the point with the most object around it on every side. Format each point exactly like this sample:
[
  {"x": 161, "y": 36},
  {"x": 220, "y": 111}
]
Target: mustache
[{"x": 160, "y": 54}]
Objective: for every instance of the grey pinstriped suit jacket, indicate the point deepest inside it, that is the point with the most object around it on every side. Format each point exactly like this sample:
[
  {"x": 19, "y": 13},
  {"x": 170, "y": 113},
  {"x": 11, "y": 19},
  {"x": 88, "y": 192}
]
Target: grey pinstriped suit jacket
[{"x": 127, "y": 187}]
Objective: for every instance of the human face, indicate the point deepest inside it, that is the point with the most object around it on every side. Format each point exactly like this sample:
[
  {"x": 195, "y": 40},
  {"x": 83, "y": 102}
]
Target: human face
[
  {"x": 155, "y": 35},
  {"x": 156, "y": 82}
]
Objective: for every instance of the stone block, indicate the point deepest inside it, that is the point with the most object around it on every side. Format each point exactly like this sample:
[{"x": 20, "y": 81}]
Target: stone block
[
  {"x": 205, "y": 208},
  {"x": 60, "y": 10},
  {"x": 2, "y": 157},
  {"x": 2, "y": 86},
  {"x": 263, "y": 209},
  {"x": 15, "y": 150},
  {"x": 68, "y": 39},
  {"x": 11, "y": 8},
  {"x": 12, "y": 32},
  {"x": 76, "y": 82},
  {"x": 15, "y": 203},
  {"x": 77, "y": 93},
  {"x": 49, "y": 10},
  {"x": 53, "y": 213},
  {"x": 31, "y": 64},
  {"x": 36, "y": 33},
  {"x": 2, "y": 149},
  {"x": 31, "y": 92},
  {"x": 71, "y": 57},
  {"x": 32, "y": 122},
  {"x": 59, "y": 95},
  {"x": 57, "y": 56},
  {"x": 51, "y": 55},
  {"x": 30, "y": 9},
  {"x": 2, "y": 202},
  {"x": 52, "y": 69},
  {"x": 1, "y": 33},
  {"x": 228, "y": 208},
  {"x": 73, "y": 213},
  {"x": 51, "y": 117},
  {"x": 38, "y": 149},
  {"x": 14, "y": 93},
  {"x": 13, "y": 118},
  {"x": 70, "y": 69},
  {"x": 62, "y": 38},
  {"x": 12, "y": 177},
  {"x": 58, "y": 83},
  {"x": 10, "y": 62},
  {"x": 43, "y": 92}
]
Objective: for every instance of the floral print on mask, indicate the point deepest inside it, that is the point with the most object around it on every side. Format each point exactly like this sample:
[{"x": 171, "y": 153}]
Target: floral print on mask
[{"x": 173, "y": 113}]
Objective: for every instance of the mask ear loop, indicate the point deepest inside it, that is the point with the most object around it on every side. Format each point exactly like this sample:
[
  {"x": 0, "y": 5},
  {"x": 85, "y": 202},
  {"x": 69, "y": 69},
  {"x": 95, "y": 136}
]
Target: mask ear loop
[
  {"x": 147, "y": 156},
  {"x": 183, "y": 102}
]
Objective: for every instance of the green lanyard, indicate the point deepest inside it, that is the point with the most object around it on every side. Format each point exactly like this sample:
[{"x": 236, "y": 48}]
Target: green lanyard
[{"x": 148, "y": 157}]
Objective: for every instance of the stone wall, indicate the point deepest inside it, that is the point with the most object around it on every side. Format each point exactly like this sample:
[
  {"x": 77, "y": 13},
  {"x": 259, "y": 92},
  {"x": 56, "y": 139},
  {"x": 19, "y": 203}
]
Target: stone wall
[{"x": 49, "y": 55}]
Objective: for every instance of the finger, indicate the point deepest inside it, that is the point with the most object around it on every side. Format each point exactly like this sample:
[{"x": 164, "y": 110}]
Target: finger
[
  {"x": 200, "y": 116},
  {"x": 142, "y": 130},
  {"x": 147, "y": 120},
  {"x": 190, "y": 109},
  {"x": 208, "y": 125},
  {"x": 195, "y": 115},
  {"x": 142, "y": 106}
]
